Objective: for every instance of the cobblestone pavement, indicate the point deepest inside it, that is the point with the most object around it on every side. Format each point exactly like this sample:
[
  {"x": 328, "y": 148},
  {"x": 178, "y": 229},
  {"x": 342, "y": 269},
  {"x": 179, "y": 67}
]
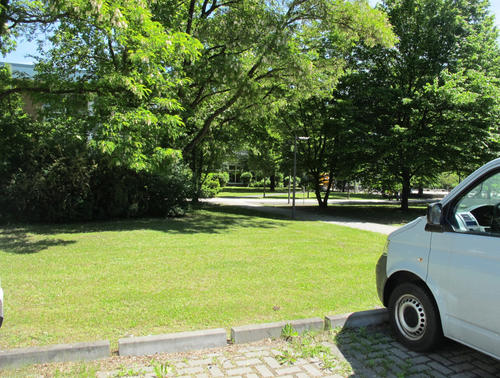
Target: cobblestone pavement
[{"x": 369, "y": 352}]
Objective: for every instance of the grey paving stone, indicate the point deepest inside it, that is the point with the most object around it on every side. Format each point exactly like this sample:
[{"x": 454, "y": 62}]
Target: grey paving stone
[
  {"x": 190, "y": 370},
  {"x": 205, "y": 361},
  {"x": 215, "y": 371},
  {"x": 264, "y": 371},
  {"x": 442, "y": 360},
  {"x": 239, "y": 371},
  {"x": 272, "y": 362},
  {"x": 421, "y": 359},
  {"x": 401, "y": 354},
  {"x": 252, "y": 361},
  {"x": 288, "y": 370},
  {"x": 312, "y": 370},
  {"x": 301, "y": 375},
  {"x": 461, "y": 358},
  {"x": 372, "y": 358},
  {"x": 436, "y": 366},
  {"x": 461, "y": 367},
  {"x": 490, "y": 368},
  {"x": 418, "y": 368},
  {"x": 464, "y": 375}
]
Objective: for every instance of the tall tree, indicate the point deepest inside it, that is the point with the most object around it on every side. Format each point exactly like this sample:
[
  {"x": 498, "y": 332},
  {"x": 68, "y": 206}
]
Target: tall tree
[
  {"x": 112, "y": 55},
  {"x": 256, "y": 51},
  {"x": 430, "y": 103}
]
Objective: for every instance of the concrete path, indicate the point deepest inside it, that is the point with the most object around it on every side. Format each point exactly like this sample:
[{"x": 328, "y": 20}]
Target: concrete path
[
  {"x": 277, "y": 206},
  {"x": 369, "y": 352}
]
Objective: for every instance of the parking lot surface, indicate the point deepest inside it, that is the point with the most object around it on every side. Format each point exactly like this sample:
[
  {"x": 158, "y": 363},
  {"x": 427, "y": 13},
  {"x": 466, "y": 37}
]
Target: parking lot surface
[{"x": 366, "y": 352}]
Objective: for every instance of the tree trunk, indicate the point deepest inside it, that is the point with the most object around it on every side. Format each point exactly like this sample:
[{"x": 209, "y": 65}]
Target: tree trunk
[
  {"x": 420, "y": 191},
  {"x": 328, "y": 189},
  {"x": 317, "y": 191},
  {"x": 196, "y": 178},
  {"x": 405, "y": 193},
  {"x": 272, "y": 185}
]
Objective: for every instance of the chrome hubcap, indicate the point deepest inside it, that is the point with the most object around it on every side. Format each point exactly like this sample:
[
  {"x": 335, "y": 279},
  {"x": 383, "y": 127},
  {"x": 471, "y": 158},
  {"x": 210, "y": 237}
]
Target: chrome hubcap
[{"x": 410, "y": 317}]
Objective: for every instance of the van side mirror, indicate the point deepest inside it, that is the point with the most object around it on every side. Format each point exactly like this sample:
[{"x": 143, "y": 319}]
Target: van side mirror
[{"x": 434, "y": 217}]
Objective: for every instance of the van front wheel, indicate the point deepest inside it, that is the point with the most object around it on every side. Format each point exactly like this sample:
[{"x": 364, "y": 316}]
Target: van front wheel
[{"x": 414, "y": 318}]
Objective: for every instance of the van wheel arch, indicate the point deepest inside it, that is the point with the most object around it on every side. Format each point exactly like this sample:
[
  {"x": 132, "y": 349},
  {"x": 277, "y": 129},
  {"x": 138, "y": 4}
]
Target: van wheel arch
[
  {"x": 404, "y": 276},
  {"x": 401, "y": 277}
]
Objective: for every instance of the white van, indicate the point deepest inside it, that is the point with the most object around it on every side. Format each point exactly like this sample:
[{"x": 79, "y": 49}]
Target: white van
[{"x": 440, "y": 276}]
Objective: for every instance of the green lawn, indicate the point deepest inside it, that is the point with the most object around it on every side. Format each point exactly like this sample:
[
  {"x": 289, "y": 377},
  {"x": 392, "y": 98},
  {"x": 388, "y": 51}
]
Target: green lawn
[
  {"x": 236, "y": 191},
  {"x": 371, "y": 212},
  {"x": 216, "y": 267}
]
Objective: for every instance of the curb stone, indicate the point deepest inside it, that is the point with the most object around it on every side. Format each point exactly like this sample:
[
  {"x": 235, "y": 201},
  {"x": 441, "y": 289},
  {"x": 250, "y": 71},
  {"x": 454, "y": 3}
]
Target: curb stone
[
  {"x": 183, "y": 341},
  {"x": 54, "y": 353},
  {"x": 357, "y": 319},
  {"x": 256, "y": 332},
  {"x": 172, "y": 342}
]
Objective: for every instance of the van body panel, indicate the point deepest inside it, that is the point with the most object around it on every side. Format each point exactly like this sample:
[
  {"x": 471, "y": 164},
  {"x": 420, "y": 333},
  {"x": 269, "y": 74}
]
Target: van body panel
[
  {"x": 460, "y": 264},
  {"x": 408, "y": 249},
  {"x": 466, "y": 268}
]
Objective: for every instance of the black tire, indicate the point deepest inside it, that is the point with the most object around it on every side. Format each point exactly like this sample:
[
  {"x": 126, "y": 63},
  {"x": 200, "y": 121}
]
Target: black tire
[{"x": 414, "y": 318}]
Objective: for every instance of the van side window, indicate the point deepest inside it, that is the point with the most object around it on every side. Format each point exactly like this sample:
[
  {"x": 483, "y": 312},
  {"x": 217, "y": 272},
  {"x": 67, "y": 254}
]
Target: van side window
[{"x": 478, "y": 210}]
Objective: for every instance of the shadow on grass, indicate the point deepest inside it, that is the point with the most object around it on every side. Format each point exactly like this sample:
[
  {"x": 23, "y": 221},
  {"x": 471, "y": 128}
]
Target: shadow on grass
[
  {"x": 17, "y": 241},
  {"x": 365, "y": 212},
  {"x": 25, "y": 239}
]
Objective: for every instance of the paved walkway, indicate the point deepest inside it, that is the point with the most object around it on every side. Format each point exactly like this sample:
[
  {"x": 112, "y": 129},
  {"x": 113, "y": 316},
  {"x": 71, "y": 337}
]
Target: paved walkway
[
  {"x": 276, "y": 206},
  {"x": 369, "y": 352}
]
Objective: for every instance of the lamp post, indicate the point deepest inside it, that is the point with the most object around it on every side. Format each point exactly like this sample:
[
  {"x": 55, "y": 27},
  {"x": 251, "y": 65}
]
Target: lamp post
[{"x": 295, "y": 170}]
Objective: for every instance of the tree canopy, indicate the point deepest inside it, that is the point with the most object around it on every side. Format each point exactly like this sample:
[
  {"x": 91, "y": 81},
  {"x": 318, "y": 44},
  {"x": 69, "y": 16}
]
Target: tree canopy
[
  {"x": 431, "y": 103},
  {"x": 135, "y": 92}
]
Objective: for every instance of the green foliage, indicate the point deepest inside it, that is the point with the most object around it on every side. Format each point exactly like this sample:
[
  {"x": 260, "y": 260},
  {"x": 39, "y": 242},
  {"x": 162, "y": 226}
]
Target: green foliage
[
  {"x": 255, "y": 56},
  {"x": 101, "y": 141},
  {"x": 265, "y": 182},
  {"x": 246, "y": 178},
  {"x": 223, "y": 178},
  {"x": 289, "y": 181},
  {"x": 446, "y": 180},
  {"x": 288, "y": 332},
  {"x": 161, "y": 370},
  {"x": 430, "y": 104},
  {"x": 211, "y": 186},
  {"x": 53, "y": 174},
  {"x": 279, "y": 177},
  {"x": 69, "y": 189},
  {"x": 307, "y": 346}
]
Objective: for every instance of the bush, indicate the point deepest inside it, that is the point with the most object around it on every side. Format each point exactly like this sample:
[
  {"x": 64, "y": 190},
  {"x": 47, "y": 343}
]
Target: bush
[
  {"x": 78, "y": 188},
  {"x": 260, "y": 183},
  {"x": 278, "y": 179},
  {"x": 223, "y": 178},
  {"x": 211, "y": 186},
  {"x": 246, "y": 178},
  {"x": 56, "y": 191}
]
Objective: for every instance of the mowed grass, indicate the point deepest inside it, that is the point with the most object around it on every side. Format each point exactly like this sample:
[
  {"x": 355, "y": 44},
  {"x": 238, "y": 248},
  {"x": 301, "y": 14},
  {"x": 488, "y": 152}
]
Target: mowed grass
[
  {"x": 216, "y": 267},
  {"x": 371, "y": 212},
  {"x": 237, "y": 191}
]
